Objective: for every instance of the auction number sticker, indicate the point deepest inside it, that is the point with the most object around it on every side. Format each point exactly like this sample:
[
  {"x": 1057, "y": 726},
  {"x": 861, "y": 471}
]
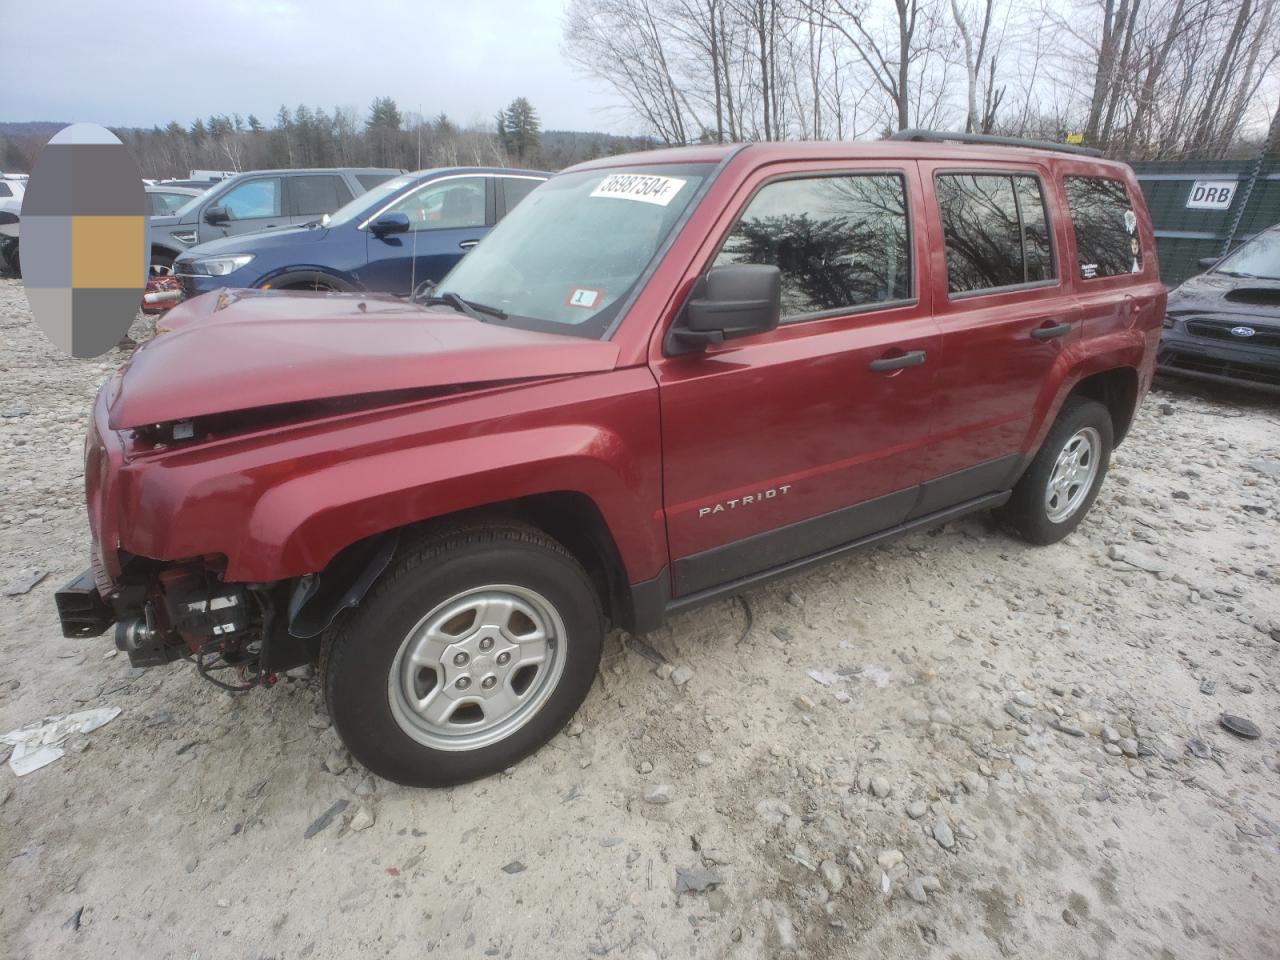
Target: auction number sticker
[
  {"x": 583, "y": 297},
  {"x": 645, "y": 187}
]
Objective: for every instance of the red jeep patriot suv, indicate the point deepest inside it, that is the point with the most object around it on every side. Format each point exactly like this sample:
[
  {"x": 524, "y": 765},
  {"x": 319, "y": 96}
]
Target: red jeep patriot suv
[{"x": 664, "y": 378}]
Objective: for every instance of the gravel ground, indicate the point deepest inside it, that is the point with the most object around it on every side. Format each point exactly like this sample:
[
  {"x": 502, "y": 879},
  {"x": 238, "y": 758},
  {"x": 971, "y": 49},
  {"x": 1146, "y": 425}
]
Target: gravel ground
[{"x": 956, "y": 746}]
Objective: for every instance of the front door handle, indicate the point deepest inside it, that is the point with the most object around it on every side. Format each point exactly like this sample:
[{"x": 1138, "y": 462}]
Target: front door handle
[
  {"x": 468, "y": 244},
  {"x": 912, "y": 358},
  {"x": 1048, "y": 333}
]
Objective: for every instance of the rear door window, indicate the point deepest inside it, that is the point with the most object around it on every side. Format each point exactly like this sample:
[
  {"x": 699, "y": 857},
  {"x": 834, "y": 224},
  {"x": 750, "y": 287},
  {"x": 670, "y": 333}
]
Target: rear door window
[
  {"x": 841, "y": 242},
  {"x": 5, "y": 191},
  {"x": 995, "y": 231},
  {"x": 315, "y": 195},
  {"x": 1105, "y": 226},
  {"x": 371, "y": 180}
]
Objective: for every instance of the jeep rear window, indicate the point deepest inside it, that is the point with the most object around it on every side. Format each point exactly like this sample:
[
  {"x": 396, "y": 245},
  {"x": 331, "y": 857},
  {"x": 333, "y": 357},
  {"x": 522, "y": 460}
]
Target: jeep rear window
[
  {"x": 567, "y": 258},
  {"x": 840, "y": 241},
  {"x": 1106, "y": 228},
  {"x": 995, "y": 231}
]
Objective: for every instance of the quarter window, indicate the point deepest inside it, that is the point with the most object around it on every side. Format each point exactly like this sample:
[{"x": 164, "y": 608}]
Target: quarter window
[
  {"x": 840, "y": 241},
  {"x": 1106, "y": 228},
  {"x": 995, "y": 231},
  {"x": 5, "y": 191}
]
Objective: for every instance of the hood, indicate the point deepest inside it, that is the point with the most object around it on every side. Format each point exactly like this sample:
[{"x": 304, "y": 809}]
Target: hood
[
  {"x": 1223, "y": 294},
  {"x": 258, "y": 242},
  {"x": 238, "y": 350},
  {"x": 168, "y": 220}
]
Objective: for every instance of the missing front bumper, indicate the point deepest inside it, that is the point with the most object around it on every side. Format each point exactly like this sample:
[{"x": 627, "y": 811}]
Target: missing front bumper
[{"x": 81, "y": 609}]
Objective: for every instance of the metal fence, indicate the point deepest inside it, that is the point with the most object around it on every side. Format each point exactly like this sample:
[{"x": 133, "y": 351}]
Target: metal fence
[{"x": 1191, "y": 221}]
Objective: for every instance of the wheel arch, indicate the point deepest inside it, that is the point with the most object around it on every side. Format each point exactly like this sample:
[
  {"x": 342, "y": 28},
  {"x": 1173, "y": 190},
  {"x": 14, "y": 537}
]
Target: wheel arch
[
  {"x": 293, "y": 276},
  {"x": 171, "y": 253},
  {"x": 570, "y": 517},
  {"x": 1117, "y": 390}
]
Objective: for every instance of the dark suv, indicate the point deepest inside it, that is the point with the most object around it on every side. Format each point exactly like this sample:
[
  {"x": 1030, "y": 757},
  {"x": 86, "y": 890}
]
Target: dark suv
[
  {"x": 662, "y": 379},
  {"x": 1224, "y": 325}
]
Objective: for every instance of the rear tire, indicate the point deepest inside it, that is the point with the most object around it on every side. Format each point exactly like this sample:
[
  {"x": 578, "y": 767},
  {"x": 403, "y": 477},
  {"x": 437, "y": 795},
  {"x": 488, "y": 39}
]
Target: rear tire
[
  {"x": 472, "y": 651},
  {"x": 1063, "y": 480}
]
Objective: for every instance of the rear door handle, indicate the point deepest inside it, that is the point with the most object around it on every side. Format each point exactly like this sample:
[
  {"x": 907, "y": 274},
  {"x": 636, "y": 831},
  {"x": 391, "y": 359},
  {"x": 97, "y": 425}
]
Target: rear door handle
[
  {"x": 1048, "y": 333},
  {"x": 912, "y": 358},
  {"x": 468, "y": 244}
]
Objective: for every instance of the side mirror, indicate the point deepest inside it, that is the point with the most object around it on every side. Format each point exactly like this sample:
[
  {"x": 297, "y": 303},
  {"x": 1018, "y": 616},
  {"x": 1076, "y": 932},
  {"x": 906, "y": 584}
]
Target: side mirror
[
  {"x": 1207, "y": 262},
  {"x": 732, "y": 300},
  {"x": 217, "y": 214},
  {"x": 390, "y": 223}
]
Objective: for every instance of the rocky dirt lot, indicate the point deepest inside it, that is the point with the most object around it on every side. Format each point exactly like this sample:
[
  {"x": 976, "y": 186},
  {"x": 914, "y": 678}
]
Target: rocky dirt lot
[{"x": 956, "y": 746}]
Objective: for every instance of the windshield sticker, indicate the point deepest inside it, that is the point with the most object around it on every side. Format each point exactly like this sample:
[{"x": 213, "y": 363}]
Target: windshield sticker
[
  {"x": 647, "y": 188},
  {"x": 583, "y": 297}
]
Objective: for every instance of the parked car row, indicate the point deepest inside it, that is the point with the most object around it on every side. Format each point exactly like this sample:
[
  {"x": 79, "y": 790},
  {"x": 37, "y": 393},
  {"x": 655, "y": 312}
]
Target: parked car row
[
  {"x": 258, "y": 200},
  {"x": 404, "y": 232}
]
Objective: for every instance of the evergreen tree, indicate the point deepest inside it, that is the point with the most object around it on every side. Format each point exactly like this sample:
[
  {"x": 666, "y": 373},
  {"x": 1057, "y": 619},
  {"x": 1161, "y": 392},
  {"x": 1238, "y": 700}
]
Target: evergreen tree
[
  {"x": 519, "y": 130},
  {"x": 383, "y": 132}
]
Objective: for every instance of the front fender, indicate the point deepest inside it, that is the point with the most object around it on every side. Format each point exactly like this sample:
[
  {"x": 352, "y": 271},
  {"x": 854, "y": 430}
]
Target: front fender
[
  {"x": 298, "y": 526},
  {"x": 282, "y": 503}
]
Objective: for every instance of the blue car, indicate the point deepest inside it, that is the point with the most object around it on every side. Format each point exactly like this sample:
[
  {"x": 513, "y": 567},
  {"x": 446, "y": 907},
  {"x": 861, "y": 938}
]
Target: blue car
[{"x": 410, "y": 229}]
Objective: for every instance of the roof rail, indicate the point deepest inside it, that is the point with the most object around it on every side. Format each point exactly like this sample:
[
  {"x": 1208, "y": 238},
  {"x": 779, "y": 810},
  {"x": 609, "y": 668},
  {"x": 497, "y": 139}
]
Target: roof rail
[{"x": 943, "y": 136}]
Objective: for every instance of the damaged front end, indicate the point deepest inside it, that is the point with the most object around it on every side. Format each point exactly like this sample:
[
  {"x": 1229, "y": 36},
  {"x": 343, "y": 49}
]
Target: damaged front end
[{"x": 168, "y": 612}]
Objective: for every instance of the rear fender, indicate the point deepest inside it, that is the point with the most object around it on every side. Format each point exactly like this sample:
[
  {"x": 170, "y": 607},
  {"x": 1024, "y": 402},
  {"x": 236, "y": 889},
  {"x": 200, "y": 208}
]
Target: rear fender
[{"x": 1119, "y": 350}]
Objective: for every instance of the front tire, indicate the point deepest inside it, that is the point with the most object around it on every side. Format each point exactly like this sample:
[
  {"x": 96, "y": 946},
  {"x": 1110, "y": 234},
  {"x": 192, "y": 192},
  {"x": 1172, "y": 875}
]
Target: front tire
[
  {"x": 1059, "y": 487},
  {"x": 161, "y": 264},
  {"x": 472, "y": 651}
]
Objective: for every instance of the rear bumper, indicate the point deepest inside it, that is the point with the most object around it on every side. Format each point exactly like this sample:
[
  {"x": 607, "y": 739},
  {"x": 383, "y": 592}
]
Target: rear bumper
[
  {"x": 1199, "y": 358},
  {"x": 81, "y": 609}
]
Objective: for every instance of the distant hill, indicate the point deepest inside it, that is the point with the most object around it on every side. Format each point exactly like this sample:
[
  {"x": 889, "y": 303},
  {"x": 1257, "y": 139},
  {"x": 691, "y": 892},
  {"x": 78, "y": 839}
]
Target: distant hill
[{"x": 30, "y": 128}]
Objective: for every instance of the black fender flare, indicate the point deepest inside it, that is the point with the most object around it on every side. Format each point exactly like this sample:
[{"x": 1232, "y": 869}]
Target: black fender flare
[{"x": 318, "y": 598}]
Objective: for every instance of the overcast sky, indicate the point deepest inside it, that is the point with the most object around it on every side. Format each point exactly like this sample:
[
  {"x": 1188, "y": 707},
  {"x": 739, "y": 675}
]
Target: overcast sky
[{"x": 146, "y": 62}]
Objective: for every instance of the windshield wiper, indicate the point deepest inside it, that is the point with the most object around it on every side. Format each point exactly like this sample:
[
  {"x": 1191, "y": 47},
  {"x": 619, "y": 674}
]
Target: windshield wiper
[
  {"x": 1238, "y": 274},
  {"x": 472, "y": 309}
]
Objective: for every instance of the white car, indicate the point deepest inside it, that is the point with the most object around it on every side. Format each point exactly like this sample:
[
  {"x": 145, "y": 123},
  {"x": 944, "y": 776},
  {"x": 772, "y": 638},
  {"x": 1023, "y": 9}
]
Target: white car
[{"x": 11, "y": 191}]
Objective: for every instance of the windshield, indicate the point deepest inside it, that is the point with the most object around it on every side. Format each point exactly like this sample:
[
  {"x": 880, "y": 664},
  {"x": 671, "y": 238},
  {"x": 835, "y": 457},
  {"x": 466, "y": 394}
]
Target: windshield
[
  {"x": 370, "y": 200},
  {"x": 1260, "y": 257},
  {"x": 566, "y": 258}
]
